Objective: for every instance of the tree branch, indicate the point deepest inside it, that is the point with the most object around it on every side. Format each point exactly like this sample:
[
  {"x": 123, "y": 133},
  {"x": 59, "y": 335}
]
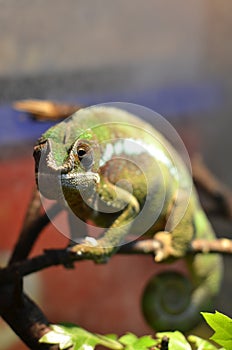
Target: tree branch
[
  {"x": 216, "y": 190},
  {"x": 65, "y": 257},
  {"x": 32, "y": 228},
  {"x": 24, "y": 317},
  {"x": 44, "y": 110},
  {"x": 222, "y": 246},
  {"x": 16, "y": 308}
]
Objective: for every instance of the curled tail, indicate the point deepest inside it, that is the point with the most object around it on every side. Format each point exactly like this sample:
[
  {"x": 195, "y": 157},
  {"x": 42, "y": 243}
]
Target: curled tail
[{"x": 173, "y": 301}]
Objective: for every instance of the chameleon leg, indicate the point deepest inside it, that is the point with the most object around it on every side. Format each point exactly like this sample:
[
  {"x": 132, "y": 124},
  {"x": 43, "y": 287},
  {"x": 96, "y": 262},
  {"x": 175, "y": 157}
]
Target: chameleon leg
[
  {"x": 179, "y": 231},
  {"x": 100, "y": 250}
]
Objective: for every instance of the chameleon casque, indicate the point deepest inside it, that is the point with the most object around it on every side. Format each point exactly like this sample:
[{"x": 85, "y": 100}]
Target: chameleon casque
[{"x": 111, "y": 168}]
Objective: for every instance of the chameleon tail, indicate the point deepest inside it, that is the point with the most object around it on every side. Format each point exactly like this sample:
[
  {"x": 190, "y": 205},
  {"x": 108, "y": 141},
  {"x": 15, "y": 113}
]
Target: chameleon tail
[{"x": 174, "y": 301}]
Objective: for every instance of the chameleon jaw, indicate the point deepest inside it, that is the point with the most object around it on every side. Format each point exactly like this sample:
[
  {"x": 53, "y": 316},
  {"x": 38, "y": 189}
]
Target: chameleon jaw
[{"x": 79, "y": 180}]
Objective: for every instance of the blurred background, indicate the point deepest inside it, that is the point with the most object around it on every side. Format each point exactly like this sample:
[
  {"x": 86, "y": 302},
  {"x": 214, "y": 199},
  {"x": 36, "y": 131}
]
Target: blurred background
[{"x": 172, "y": 56}]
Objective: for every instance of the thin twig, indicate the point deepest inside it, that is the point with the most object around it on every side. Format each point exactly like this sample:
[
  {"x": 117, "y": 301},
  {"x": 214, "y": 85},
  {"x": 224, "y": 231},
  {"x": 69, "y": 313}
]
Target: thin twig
[
  {"x": 222, "y": 246},
  {"x": 217, "y": 191},
  {"x": 66, "y": 258},
  {"x": 50, "y": 257},
  {"x": 44, "y": 110}
]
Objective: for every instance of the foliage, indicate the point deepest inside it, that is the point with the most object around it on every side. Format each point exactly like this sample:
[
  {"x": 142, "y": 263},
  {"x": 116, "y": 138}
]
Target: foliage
[
  {"x": 222, "y": 326},
  {"x": 67, "y": 335}
]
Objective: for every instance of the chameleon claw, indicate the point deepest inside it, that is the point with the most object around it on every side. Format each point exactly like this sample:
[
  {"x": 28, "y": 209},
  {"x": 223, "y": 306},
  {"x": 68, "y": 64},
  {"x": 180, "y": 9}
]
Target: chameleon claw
[
  {"x": 90, "y": 249},
  {"x": 84, "y": 247},
  {"x": 159, "y": 256},
  {"x": 164, "y": 247},
  {"x": 74, "y": 250}
]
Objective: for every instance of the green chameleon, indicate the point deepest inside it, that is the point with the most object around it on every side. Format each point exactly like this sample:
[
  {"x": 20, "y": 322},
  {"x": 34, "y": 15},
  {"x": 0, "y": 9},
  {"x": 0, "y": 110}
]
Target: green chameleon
[{"x": 113, "y": 170}]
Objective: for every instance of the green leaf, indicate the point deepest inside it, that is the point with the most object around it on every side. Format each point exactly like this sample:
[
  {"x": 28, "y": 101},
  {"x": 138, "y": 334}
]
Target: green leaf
[
  {"x": 111, "y": 336},
  {"x": 69, "y": 334},
  {"x": 222, "y": 325},
  {"x": 128, "y": 339},
  {"x": 201, "y": 344},
  {"x": 132, "y": 342},
  {"x": 146, "y": 341},
  {"x": 57, "y": 336},
  {"x": 177, "y": 340},
  {"x": 109, "y": 341}
]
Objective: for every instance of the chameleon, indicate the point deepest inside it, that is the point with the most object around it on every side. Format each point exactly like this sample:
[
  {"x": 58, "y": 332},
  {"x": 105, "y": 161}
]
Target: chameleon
[{"x": 116, "y": 171}]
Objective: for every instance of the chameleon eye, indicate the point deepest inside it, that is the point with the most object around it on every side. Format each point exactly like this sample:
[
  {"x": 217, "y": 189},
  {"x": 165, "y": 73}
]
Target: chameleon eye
[
  {"x": 81, "y": 153},
  {"x": 85, "y": 156}
]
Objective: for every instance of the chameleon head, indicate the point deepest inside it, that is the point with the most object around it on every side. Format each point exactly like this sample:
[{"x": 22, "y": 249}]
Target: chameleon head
[{"x": 60, "y": 166}]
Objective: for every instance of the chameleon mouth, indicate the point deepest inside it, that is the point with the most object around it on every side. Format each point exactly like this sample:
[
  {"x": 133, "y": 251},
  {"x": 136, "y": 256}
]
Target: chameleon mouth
[
  {"x": 79, "y": 181},
  {"x": 51, "y": 185}
]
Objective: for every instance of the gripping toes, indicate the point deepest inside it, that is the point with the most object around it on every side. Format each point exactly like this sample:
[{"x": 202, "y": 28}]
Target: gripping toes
[{"x": 164, "y": 248}]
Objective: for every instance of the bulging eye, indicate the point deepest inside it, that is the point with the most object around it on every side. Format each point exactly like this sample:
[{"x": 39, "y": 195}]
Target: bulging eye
[
  {"x": 85, "y": 156},
  {"x": 81, "y": 153}
]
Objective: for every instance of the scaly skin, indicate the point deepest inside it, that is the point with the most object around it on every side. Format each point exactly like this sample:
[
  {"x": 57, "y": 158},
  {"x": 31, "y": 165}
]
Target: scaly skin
[{"x": 86, "y": 153}]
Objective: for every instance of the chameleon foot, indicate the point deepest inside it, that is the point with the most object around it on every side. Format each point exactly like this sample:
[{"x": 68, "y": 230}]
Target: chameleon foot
[
  {"x": 164, "y": 249},
  {"x": 91, "y": 249}
]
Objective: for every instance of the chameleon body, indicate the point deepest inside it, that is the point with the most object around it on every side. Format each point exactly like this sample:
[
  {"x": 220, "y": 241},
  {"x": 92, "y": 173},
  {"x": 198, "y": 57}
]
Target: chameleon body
[{"x": 112, "y": 168}]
